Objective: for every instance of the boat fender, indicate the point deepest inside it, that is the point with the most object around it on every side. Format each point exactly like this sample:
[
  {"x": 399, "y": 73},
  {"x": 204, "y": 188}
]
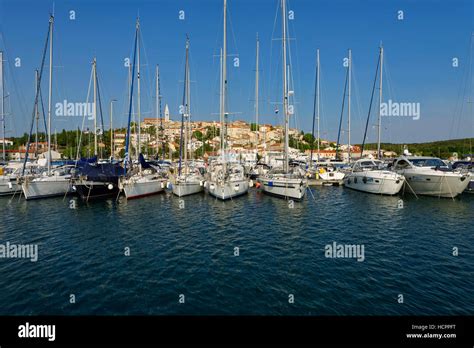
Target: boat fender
[
  {"x": 257, "y": 185},
  {"x": 110, "y": 187},
  {"x": 168, "y": 185},
  {"x": 10, "y": 186},
  {"x": 236, "y": 188},
  {"x": 211, "y": 187},
  {"x": 162, "y": 185},
  {"x": 201, "y": 183},
  {"x": 250, "y": 183}
]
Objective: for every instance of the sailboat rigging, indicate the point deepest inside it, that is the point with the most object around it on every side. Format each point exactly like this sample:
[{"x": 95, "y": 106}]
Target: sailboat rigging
[
  {"x": 226, "y": 180},
  {"x": 286, "y": 182},
  {"x": 189, "y": 179}
]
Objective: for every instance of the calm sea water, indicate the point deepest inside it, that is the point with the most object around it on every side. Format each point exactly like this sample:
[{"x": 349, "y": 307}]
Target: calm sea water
[{"x": 190, "y": 251}]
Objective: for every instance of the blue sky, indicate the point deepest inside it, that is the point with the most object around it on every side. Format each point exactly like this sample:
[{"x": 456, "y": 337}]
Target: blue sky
[{"x": 419, "y": 52}]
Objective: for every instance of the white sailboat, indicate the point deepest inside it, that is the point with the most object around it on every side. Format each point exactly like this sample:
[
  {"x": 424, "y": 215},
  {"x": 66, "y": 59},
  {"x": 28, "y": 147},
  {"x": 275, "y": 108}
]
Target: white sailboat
[
  {"x": 286, "y": 182},
  {"x": 189, "y": 179},
  {"x": 8, "y": 174},
  {"x": 226, "y": 180},
  {"x": 369, "y": 175},
  {"x": 321, "y": 173},
  {"x": 257, "y": 168},
  {"x": 2, "y": 106},
  {"x": 146, "y": 179},
  {"x": 55, "y": 182}
]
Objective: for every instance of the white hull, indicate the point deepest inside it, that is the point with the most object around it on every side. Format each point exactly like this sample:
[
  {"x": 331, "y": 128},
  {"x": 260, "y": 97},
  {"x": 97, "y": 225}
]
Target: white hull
[
  {"x": 181, "y": 189},
  {"x": 141, "y": 188},
  {"x": 289, "y": 188},
  {"x": 436, "y": 183},
  {"x": 332, "y": 177},
  {"x": 47, "y": 187},
  {"x": 228, "y": 189},
  {"x": 8, "y": 186},
  {"x": 376, "y": 181}
]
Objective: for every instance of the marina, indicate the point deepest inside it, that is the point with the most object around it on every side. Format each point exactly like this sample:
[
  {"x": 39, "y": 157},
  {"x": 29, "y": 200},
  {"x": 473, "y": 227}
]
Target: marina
[{"x": 276, "y": 204}]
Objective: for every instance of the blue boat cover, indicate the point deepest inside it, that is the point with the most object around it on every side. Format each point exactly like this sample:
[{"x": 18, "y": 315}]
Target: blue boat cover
[
  {"x": 102, "y": 171},
  {"x": 143, "y": 163}
]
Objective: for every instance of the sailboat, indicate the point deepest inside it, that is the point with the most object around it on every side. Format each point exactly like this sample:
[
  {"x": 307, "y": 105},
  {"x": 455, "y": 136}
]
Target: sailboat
[
  {"x": 54, "y": 181},
  {"x": 323, "y": 173},
  {"x": 259, "y": 168},
  {"x": 368, "y": 175},
  {"x": 226, "y": 179},
  {"x": 145, "y": 179},
  {"x": 189, "y": 179},
  {"x": 96, "y": 179},
  {"x": 285, "y": 182},
  {"x": 8, "y": 173}
]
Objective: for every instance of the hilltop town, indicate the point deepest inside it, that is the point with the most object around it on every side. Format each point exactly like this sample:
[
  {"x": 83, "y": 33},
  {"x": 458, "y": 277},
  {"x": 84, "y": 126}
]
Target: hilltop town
[{"x": 243, "y": 139}]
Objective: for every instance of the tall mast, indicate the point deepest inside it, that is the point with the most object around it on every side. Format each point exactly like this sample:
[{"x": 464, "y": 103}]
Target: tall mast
[
  {"x": 186, "y": 106},
  {"x": 2, "y": 105},
  {"x": 36, "y": 112},
  {"x": 224, "y": 89},
  {"x": 317, "y": 97},
  {"x": 315, "y": 101},
  {"x": 138, "y": 87},
  {"x": 285, "y": 84},
  {"x": 349, "y": 107},
  {"x": 160, "y": 113},
  {"x": 380, "y": 104},
  {"x": 221, "y": 104},
  {"x": 188, "y": 99},
  {"x": 256, "y": 90},
  {"x": 50, "y": 89},
  {"x": 157, "y": 110},
  {"x": 130, "y": 105},
  {"x": 94, "y": 63},
  {"x": 112, "y": 128}
]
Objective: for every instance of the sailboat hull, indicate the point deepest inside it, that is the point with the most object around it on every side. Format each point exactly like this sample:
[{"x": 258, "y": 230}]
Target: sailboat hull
[
  {"x": 137, "y": 189},
  {"x": 91, "y": 190},
  {"x": 181, "y": 189},
  {"x": 288, "y": 188},
  {"x": 228, "y": 190},
  {"x": 46, "y": 188}
]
